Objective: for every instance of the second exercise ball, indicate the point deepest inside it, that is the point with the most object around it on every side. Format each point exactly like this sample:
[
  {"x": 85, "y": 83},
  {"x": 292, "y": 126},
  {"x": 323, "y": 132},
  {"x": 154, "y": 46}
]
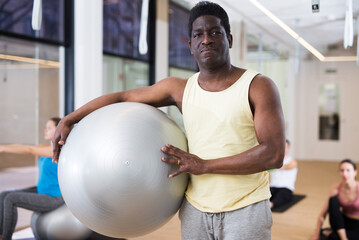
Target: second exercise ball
[
  {"x": 111, "y": 174},
  {"x": 58, "y": 224}
]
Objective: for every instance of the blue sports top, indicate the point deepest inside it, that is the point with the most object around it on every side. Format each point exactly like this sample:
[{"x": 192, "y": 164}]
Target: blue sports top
[{"x": 48, "y": 182}]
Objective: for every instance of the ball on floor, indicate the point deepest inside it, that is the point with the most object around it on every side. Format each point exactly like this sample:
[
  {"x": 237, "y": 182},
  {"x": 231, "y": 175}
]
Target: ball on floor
[
  {"x": 58, "y": 224},
  {"x": 111, "y": 174}
]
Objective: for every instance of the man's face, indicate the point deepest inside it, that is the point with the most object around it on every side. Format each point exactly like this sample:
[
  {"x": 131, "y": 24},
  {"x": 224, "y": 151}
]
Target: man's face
[{"x": 209, "y": 42}]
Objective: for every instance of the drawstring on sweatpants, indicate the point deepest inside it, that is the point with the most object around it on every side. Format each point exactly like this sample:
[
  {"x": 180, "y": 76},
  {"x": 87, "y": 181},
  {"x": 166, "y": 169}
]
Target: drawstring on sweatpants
[
  {"x": 210, "y": 220},
  {"x": 220, "y": 217}
]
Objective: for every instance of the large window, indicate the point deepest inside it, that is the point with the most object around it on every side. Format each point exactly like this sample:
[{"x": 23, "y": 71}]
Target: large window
[
  {"x": 123, "y": 66},
  {"x": 16, "y": 15},
  {"x": 121, "y": 28},
  {"x": 181, "y": 62},
  {"x": 122, "y": 74},
  {"x": 179, "y": 53},
  {"x": 29, "y": 73},
  {"x": 29, "y": 93}
]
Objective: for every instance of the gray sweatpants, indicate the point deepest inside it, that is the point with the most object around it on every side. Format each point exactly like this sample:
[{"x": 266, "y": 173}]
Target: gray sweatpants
[
  {"x": 249, "y": 223},
  {"x": 25, "y": 198}
]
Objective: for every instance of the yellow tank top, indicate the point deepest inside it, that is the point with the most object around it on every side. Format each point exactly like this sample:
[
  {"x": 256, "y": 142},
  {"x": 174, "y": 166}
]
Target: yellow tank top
[{"x": 220, "y": 124}]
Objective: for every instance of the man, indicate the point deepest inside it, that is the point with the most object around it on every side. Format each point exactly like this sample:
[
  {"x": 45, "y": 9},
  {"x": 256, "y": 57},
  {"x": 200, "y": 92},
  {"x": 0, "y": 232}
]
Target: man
[{"x": 234, "y": 123}]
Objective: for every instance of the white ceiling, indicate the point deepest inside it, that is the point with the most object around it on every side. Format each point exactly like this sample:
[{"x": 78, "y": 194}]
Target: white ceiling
[{"x": 319, "y": 29}]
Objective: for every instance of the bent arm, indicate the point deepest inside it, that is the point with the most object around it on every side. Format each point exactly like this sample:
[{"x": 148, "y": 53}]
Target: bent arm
[
  {"x": 40, "y": 150},
  {"x": 164, "y": 93},
  {"x": 157, "y": 95},
  {"x": 269, "y": 128}
]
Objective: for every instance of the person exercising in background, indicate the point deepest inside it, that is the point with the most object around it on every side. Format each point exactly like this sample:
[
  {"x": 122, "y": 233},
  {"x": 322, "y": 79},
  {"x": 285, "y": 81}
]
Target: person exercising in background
[
  {"x": 342, "y": 206},
  {"x": 282, "y": 181},
  {"x": 235, "y": 128},
  {"x": 43, "y": 197}
]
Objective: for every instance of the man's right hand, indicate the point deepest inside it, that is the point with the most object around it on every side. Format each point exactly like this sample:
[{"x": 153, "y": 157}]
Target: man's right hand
[{"x": 59, "y": 138}]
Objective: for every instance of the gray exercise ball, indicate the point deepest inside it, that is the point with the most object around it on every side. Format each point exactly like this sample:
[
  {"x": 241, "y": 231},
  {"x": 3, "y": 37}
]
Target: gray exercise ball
[
  {"x": 58, "y": 224},
  {"x": 111, "y": 174}
]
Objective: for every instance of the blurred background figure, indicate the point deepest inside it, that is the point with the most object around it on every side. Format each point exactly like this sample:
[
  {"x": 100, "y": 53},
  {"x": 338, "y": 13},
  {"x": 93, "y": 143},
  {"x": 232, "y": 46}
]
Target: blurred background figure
[
  {"x": 43, "y": 197},
  {"x": 282, "y": 180},
  {"x": 342, "y": 206}
]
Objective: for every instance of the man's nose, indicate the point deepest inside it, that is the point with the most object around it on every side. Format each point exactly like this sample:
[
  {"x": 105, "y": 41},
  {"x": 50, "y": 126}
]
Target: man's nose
[{"x": 207, "y": 39}]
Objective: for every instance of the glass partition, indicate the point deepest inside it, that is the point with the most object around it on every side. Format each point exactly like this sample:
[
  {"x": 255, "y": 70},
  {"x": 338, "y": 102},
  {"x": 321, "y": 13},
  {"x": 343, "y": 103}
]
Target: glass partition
[
  {"x": 179, "y": 53},
  {"x": 29, "y": 92},
  {"x": 16, "y": 15},
  {"x": 122, "y": 74},
  {"x": 121, "y": 28}
]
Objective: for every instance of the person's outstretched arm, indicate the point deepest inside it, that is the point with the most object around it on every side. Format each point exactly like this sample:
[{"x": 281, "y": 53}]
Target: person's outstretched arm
[{"x": 40, "y": 150}]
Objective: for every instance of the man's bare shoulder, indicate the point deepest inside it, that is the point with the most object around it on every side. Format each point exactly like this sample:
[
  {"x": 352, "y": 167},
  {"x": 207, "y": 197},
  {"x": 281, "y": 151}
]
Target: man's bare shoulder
[
  {"x": 173, "y": 83},
  {"x": 262, "y": 86},
  {"x": 173, "y": 87},
  {"x": 175, "y": 80},
  {"x": 261, "y": 80}
]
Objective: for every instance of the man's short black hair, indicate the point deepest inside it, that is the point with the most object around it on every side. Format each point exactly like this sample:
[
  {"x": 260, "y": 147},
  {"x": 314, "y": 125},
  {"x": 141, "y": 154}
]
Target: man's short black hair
[{"x": 208, "y": 8}]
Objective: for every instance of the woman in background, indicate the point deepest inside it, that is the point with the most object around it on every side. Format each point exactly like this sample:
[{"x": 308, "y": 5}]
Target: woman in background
[
  {"x": 43, "y": 197},
  {"x": 282, "y": 181},
  {"x": 342, "y": 206}
]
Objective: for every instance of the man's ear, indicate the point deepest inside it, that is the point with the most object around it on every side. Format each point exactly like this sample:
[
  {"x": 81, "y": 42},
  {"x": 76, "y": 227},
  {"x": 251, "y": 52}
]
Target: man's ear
[
  {"x": 190, "y": 46},
  {"x": 230, "y": 40}
]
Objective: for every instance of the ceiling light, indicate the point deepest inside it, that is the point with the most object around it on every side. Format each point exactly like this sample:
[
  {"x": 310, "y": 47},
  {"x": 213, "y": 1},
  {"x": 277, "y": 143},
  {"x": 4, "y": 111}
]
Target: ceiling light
[
  {"x": 340, "y": 59},
  {"x": 296, "y": 36}
]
